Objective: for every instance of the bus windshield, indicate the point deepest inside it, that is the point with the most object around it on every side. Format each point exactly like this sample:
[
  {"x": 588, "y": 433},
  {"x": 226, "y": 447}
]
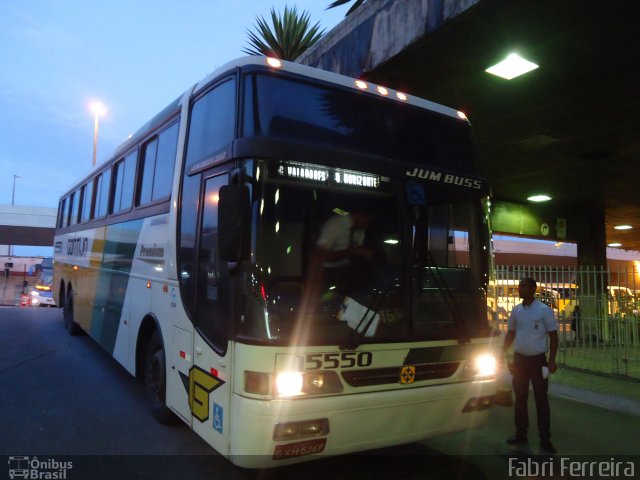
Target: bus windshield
[
  {"x": 298, "y": 111},
  {"x": 340, "y": 256}
]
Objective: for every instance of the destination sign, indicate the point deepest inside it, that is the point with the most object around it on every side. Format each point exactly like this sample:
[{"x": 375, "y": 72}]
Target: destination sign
[{"x": 330, "y": 176}]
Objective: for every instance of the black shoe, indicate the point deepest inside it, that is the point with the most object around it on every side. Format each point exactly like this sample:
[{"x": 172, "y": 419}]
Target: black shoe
[
  {"x": 548, "y": 447},
  {"x": 516, "y": 440}
]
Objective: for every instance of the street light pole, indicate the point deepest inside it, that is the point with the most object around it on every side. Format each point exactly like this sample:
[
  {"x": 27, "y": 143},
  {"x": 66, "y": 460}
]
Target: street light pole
[
  {"x": 13, "y": 195},
  {"x": 95, "y": 138},
  {"x": 97, "y": 108},
  {"x": 13, "y": 201}
]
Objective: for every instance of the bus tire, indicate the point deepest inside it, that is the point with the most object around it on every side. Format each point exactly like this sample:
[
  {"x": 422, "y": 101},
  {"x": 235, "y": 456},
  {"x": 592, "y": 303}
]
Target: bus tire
[
  {"x": 155, "y": 375},
  {"x": 69, "y": 323}
]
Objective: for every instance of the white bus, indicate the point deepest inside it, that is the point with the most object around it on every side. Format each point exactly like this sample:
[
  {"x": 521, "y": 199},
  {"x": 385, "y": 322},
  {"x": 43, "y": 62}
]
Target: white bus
[{"x": 189, "y": 256}]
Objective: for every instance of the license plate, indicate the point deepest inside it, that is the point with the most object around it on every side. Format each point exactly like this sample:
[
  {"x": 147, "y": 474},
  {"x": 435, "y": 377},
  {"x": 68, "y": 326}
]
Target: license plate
[{"x": 299, "y": 449}]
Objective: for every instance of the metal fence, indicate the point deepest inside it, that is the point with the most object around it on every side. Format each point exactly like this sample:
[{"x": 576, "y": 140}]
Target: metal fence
[{"x": 598, "y": 312}]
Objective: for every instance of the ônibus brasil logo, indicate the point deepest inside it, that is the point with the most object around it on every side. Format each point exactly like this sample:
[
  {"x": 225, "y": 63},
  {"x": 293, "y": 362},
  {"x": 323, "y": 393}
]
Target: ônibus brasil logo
[{"x": 38, "y": 469}]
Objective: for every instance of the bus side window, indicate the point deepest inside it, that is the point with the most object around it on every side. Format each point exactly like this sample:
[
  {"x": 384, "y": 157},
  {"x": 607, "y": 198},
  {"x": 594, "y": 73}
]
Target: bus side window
[
  {"x": 149, "y": 152},
  {"x": 158, "y": 159},
  {"x": 87, "y": 197},
  {"x": 61, "y": 213},
  {"x": 212, "y": 125},
  {"x": 73, "y": 209},
  {"x": 165, "y": 160},
  {"x": 124, "y": 172},
  {"x": 102, "y": 184},
  {"x": 212, "y": 295}
]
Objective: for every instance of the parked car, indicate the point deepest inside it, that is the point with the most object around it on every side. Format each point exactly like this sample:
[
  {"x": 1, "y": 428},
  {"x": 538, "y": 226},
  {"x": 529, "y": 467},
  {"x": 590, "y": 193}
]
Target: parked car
[
  {"x": 507, "y": 297},
  {"x": 568, "y": 294},
  {"x": 622, "y": 301}
]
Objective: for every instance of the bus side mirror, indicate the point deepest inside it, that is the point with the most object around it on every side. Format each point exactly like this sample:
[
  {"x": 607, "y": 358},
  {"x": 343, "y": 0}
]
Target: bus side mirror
[{"x": 233, "y": 223}]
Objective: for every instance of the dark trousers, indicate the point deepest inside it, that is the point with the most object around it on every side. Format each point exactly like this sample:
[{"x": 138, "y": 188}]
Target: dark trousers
[{"x": 525, "y": 370}]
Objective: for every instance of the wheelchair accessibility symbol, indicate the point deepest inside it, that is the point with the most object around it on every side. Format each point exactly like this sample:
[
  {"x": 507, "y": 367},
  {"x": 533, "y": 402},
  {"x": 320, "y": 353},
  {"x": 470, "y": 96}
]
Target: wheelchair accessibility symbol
[
  {"x": 416, "y": 194},
  {"x": 218, "y": 416}
]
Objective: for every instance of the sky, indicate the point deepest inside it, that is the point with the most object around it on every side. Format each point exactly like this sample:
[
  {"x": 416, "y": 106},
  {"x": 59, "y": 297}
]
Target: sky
[{"x": 135, "y": 56}]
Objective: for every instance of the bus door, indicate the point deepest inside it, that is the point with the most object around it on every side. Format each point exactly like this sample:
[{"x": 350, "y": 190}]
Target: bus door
[{"x": 210, "y": 385}]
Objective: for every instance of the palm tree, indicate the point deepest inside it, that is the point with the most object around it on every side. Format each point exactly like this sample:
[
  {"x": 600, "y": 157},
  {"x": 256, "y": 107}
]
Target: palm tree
[
  {"x": 290, "y": 35},
  {"x": 337, "y": 3}
]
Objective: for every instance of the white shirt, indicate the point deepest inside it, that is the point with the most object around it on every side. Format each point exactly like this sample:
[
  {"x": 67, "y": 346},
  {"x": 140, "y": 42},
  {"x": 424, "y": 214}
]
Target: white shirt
[
  {"x": 336, "y": 235},
  {"x": 532, "y": 325}
]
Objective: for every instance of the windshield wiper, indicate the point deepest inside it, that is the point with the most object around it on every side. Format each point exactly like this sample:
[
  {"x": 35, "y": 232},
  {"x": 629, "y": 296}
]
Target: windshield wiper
[{"x": 445, "y": 291}]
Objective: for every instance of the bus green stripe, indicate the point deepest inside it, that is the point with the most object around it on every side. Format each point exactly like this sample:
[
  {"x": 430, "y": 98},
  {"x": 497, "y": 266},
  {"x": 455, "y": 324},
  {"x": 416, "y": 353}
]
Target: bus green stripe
[{"x": 120, "y": 245}]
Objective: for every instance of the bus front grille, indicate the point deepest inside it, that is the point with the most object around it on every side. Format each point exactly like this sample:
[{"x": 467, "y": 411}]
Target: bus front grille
[{"x": 382, "y": 376}]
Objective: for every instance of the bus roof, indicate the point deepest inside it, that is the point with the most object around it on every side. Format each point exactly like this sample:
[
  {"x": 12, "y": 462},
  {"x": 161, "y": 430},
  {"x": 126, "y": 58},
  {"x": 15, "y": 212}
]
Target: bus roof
[
  {"x": 260, "y": 61},
  {"x": 329, "y": 77}
]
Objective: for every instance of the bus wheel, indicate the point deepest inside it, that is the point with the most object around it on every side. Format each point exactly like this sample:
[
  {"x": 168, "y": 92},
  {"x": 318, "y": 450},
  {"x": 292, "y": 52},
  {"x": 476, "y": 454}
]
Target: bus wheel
[
  {"x": 69, "y": 322},
  {"x": 155, "y": 381}
]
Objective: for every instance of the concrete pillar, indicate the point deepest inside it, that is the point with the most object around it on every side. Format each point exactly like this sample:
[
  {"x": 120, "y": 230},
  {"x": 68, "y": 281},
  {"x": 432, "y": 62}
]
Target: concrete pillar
[
  {"x": 592, "y": 239},
  {"x": 592, "y": 263}
]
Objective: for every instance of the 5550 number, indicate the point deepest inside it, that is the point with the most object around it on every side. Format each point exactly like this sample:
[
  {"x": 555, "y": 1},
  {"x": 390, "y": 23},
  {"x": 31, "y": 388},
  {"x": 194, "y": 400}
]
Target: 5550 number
[{"x": 317, "y": 361}]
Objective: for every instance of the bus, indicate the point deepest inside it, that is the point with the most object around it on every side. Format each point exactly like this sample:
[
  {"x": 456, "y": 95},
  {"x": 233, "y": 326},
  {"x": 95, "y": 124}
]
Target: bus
[{"x": 190, "y": 255}]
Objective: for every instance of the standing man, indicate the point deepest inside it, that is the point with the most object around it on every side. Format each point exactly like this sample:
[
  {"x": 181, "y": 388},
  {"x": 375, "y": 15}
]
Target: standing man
[
  {"x": 529, "y": 325},
  {"x": 340, "y": 246}
]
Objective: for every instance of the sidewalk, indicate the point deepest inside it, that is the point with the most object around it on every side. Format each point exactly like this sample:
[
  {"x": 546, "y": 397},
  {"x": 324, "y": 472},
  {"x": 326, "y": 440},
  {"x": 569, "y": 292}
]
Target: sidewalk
[{"x": 606, "y": 391}]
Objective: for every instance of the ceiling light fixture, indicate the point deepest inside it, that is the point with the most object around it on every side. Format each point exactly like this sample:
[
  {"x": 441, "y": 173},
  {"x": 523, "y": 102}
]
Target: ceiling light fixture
[
  {"x": 511, "y": 67},
  {"x": 539, "y": 198},
  {"x": 622, "y": 227},
  {"x": 615, "y": 244}
]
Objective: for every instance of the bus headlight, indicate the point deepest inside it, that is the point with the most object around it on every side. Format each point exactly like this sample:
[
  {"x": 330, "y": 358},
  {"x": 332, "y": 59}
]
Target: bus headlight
[
  {"x": 289, "y": 384},
  {"x": 485, "y": 365}
]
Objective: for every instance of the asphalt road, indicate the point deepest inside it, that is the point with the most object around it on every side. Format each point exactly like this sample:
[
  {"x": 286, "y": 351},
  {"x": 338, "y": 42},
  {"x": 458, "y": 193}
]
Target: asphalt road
[{"x": 64, "y": 398}]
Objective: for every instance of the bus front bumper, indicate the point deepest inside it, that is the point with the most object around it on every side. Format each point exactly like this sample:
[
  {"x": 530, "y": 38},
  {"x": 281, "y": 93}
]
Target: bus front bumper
[{"x": 356, "y": 422}]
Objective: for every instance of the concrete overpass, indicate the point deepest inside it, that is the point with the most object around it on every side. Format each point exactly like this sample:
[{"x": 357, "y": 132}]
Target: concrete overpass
[
  {"x": 568, "y": 128},
  {"x": 21, "y": 225}
]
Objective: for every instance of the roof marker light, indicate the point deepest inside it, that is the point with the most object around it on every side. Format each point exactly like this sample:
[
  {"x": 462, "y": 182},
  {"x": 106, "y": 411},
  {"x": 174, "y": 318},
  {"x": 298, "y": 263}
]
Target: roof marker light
[
  {"x": 361, "y": 85},
  {"x": 401, "y": 96},
  {"x": 383, "y": 91},
  {"x": 274, "y": 62}
]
